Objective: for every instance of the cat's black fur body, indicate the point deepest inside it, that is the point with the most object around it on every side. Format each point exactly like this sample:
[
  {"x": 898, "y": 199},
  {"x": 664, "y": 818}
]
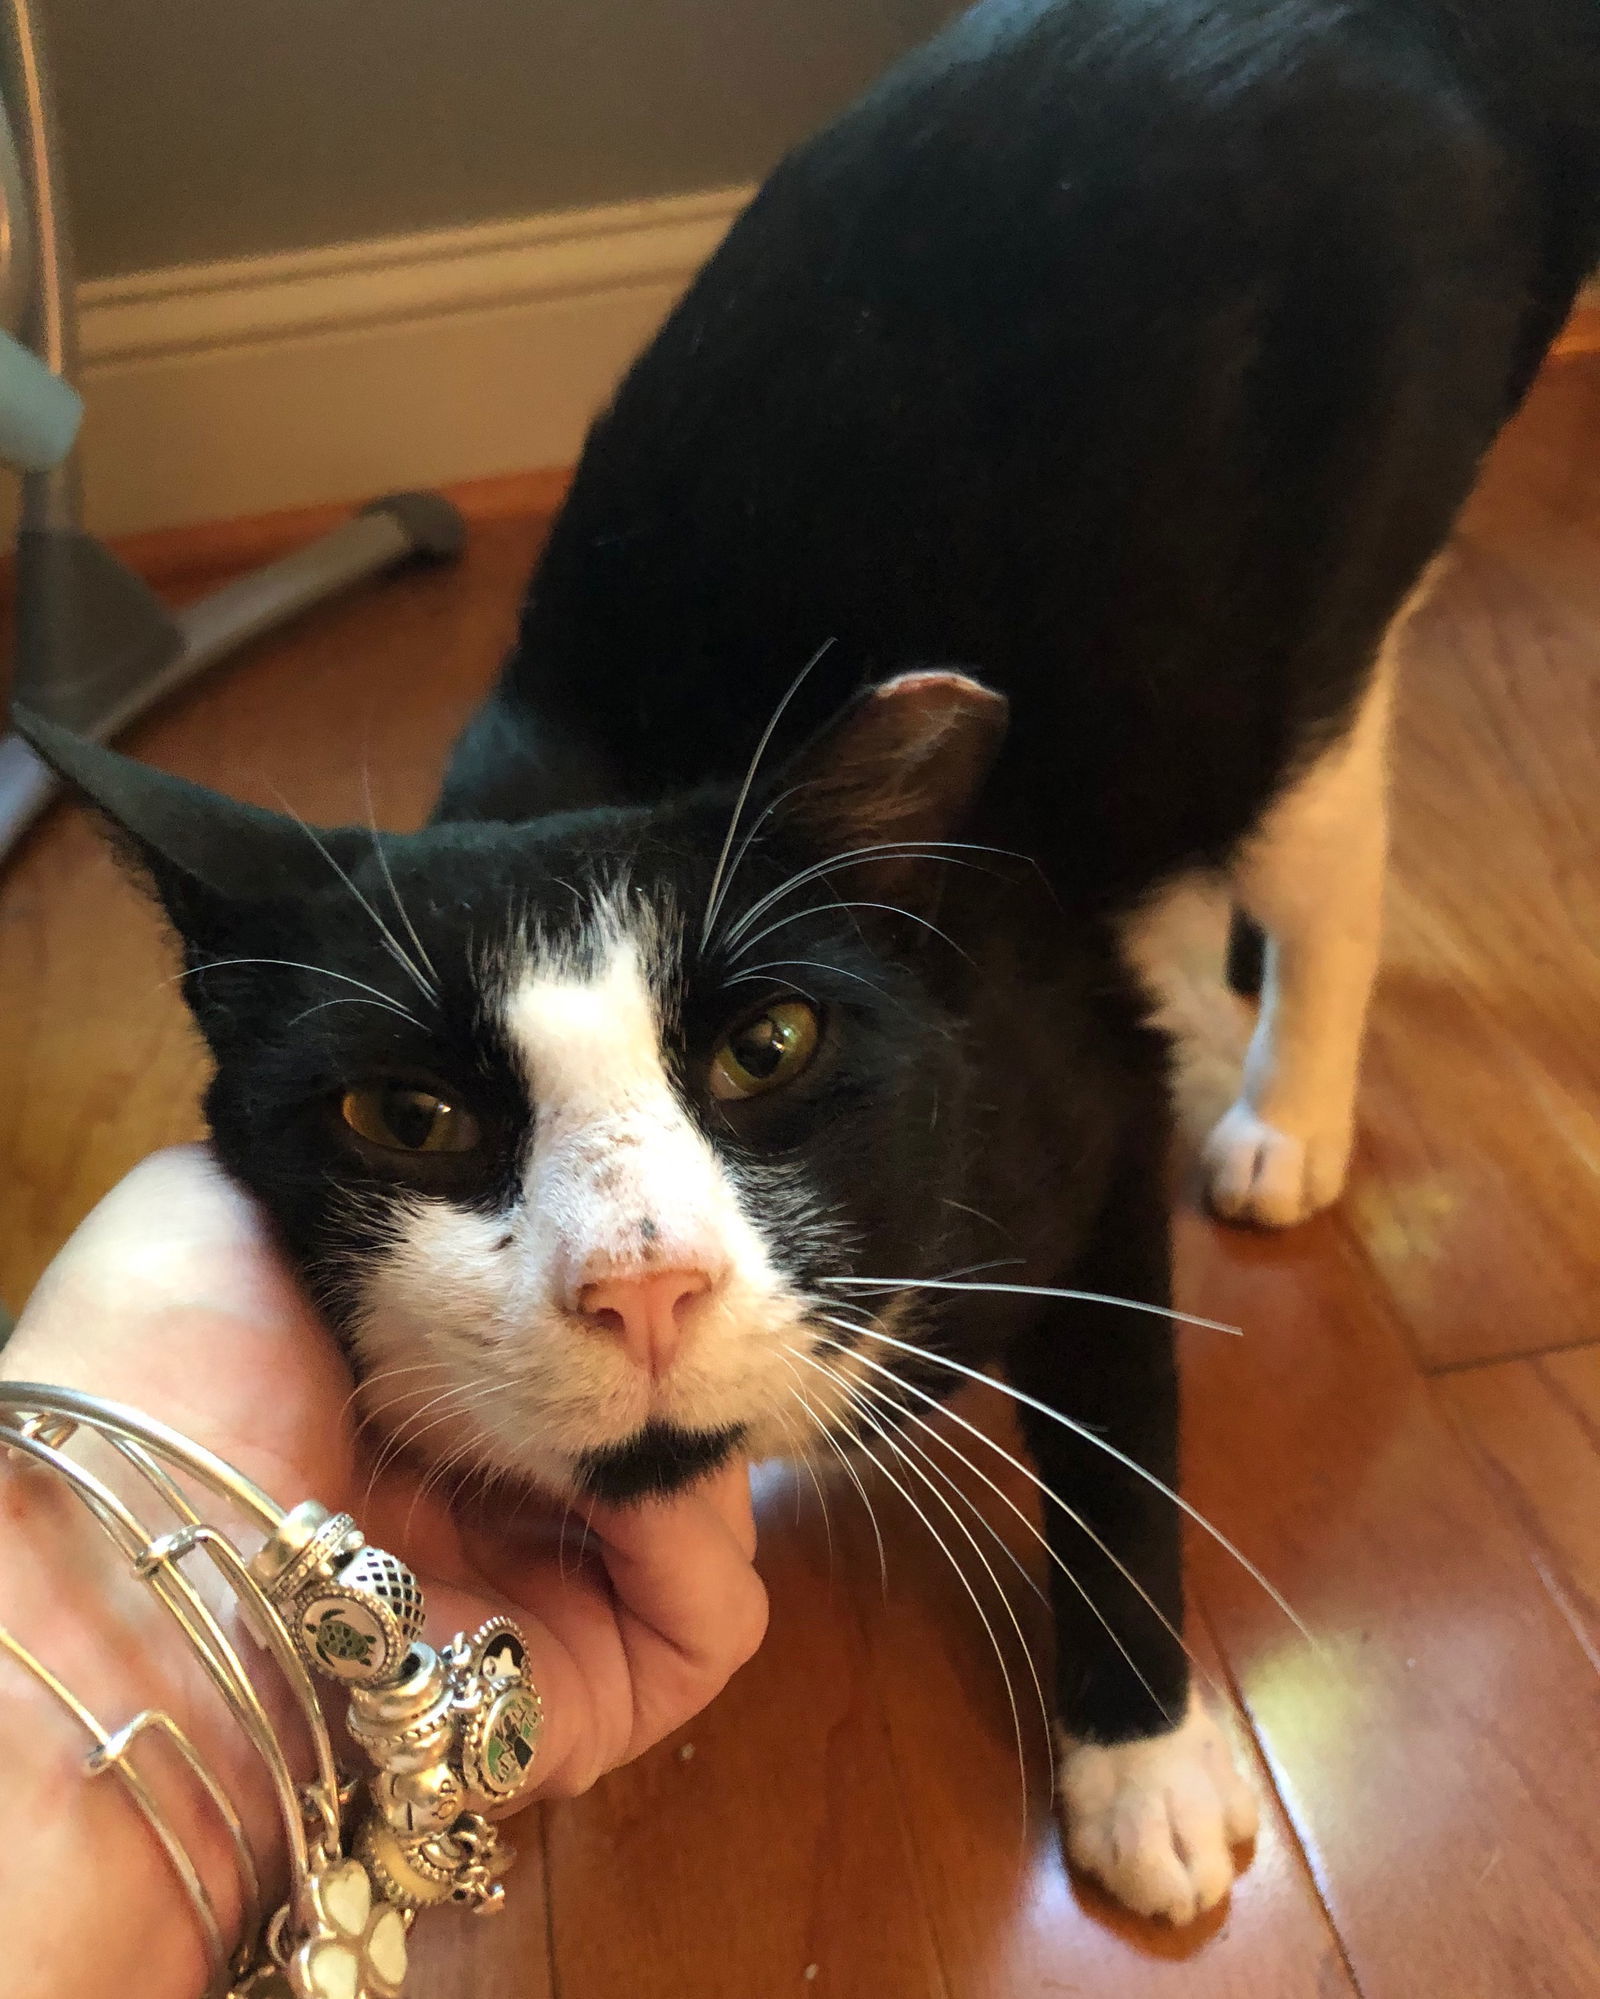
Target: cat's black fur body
[
  {"x": 1135, "y": 356},
  {"x": 1138, "y": 354}
]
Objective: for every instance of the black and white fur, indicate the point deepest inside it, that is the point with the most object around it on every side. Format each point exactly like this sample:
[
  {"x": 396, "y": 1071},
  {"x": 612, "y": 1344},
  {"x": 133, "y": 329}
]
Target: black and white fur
[{"x": 1122, "y": 363}]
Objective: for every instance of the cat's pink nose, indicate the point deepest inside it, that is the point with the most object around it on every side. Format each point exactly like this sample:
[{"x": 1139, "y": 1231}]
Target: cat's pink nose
[{"x": 646, "y": 1315}]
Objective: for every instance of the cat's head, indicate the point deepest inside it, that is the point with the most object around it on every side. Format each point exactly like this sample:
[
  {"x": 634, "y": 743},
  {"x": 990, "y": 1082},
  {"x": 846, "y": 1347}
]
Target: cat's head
[{"x": 569, "y": 1124}]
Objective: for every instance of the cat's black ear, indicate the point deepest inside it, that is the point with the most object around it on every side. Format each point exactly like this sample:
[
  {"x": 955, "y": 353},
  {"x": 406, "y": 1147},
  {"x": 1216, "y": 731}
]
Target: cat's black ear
[
  {"x": 201, "y": 852},
  {"x": 903, "y": 764}
]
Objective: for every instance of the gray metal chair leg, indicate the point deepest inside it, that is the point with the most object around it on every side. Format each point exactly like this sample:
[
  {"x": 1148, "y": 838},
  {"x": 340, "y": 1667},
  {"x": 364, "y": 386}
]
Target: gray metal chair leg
[{"x": 95, "y": 647}]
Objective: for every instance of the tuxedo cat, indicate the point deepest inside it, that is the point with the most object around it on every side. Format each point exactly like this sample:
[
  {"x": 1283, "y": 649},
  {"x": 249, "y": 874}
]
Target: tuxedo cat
[{"x": 1014, "y": 516}]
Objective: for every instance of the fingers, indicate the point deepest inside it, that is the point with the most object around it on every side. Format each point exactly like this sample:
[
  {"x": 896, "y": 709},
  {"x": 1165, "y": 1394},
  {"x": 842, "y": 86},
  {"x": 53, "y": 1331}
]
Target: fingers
[{"x": 728, "y": 1492}]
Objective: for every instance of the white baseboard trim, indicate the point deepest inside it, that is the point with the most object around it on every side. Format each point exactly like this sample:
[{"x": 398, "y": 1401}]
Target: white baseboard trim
[{"x": 216, "y": 390}]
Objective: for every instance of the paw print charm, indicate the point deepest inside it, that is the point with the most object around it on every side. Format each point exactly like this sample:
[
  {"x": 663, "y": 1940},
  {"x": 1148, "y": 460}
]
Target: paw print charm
[{"x": 355, "y": 1943}]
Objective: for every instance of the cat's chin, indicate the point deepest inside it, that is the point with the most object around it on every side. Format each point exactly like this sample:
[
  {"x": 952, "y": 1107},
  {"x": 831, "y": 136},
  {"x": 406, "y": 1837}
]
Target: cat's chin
[{"x": 656, "y": 1461}]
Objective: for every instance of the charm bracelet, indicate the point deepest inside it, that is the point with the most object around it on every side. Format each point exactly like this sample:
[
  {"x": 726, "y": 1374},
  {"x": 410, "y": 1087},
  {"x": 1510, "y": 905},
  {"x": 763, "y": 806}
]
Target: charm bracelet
[{"x": 450, "y": 1735}]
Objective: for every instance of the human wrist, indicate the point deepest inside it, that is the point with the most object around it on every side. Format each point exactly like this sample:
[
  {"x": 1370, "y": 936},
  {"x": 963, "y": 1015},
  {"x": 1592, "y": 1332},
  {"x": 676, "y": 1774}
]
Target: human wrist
[{"x": 70, "y": 1603}]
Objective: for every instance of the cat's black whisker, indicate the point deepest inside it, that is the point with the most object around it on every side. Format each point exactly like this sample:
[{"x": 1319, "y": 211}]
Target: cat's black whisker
[
  {"x": 1121, "y": 1457},
  {"x": 866, "y": 1415},
  {"x": 720, "y": 873},
  {"x": 297, "y": 965},
  {"x": 1048, "y": 1493},
  {"x": 881, "y": 1284},
  {"x": 828, "y": 908},
  {"x": 945, "y": 1201},
  {"x": 383, "y": 862}
]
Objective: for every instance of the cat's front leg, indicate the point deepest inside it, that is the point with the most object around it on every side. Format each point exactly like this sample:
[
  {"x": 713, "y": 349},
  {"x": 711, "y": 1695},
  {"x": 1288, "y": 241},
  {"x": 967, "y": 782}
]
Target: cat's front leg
[
  {"x": 1311, "y": 876},
  {"x": 1151, "y": 1802}
]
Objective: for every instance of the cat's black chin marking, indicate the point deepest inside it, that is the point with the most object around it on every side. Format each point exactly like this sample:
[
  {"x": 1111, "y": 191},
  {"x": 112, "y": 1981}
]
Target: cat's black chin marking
[{"x": 660, "y": 1459}]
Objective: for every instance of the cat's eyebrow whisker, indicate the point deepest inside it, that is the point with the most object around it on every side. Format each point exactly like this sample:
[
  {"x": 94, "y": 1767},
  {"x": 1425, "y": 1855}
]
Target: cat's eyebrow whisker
[
  {"x": 1121, "y": 1457},
  {"x": 721, "y": 874},
  {"x": 868, "y": 1416},
  {"x": 297, "y": 965},
  {"x": 306, "y": 1013},
  {"x": 813, "y": 965},
  {"x": 383, "y": 862},
  {"x": 879, "y": 1284},
  {"x": 899, "y": 850},
  {"x": 390, "y": 942},
  {"x": 828, "y": 908},
  {"x": 1055, "y": 1499}
]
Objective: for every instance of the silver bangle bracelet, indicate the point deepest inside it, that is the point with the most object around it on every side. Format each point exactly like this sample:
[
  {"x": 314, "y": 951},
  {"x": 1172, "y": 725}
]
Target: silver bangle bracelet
[{"x": 450, "y": 1735}]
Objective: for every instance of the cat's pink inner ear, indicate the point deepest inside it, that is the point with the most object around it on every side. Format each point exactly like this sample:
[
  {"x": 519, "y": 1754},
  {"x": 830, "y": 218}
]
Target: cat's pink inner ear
[{"x": 903, "y": 765}]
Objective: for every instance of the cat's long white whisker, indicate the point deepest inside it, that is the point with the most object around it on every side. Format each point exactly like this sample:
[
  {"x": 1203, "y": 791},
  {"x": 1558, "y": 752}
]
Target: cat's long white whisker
[
  {"x": 827, "y": 1436},
  {"x": 867, "y": 1416},
  {"x": 802, "y": 1456},
  {"x": 1045, "y": 1492},
  {"x": 1121, "y": 1457},
  {"x": 463, "y": 1395},
  {"x": 383, "y": 863},
  {"x": 440, "y": 1473},
  {"x": 883, "y": 1400},
  {"x": 720, "y": 874},
  {"x": 390, "y": 941},
  {"x": 381, "y": 1378},
  {"x": 877, "y": 1284},
  {"x": 297, "y": 965},
  {"x": 828, "y": 908}
]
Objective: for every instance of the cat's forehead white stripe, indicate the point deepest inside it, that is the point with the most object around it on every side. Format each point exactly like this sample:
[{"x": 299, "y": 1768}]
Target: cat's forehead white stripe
[{"x": 589, "y": 1040}]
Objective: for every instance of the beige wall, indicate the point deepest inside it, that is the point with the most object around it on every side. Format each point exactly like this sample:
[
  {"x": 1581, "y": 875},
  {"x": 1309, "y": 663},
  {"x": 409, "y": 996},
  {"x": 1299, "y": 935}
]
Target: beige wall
[{"x": 198, "y": 129}]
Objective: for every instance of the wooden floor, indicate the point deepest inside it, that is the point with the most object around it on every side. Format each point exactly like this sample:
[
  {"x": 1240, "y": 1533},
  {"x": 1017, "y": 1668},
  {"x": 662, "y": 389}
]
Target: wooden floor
[{"x": 1407, "y": 1440}]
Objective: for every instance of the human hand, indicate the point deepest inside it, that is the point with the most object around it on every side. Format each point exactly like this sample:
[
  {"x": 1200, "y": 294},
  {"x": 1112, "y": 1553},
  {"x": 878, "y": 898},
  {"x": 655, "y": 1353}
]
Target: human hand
[{"x": 171, "y": 1297}]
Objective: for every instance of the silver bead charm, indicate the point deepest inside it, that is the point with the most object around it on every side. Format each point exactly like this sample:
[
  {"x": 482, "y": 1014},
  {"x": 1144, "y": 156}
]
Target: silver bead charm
[
  {"x": 361, "y": 1626},
  {"x": 353, "y": 1610},
  {"x": 502, "y": 1714}
]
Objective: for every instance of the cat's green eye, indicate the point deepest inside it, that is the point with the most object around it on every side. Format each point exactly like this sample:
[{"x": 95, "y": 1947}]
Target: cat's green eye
[
  {"x": 403, "y": 1117},
  {"x": 766, "y": 1052}
]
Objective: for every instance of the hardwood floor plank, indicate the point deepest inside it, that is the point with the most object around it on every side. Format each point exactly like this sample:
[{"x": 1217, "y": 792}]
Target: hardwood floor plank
[
  {"x": 502, "y": 1956},
  {"x": 1536, "y": 1425},
  {"x": 1011, "y": 1922},
  {"x": 1480, "y": 1170},
  {"x": 764, "y": 1849},
  {"x": 1425, "y": 1747}
]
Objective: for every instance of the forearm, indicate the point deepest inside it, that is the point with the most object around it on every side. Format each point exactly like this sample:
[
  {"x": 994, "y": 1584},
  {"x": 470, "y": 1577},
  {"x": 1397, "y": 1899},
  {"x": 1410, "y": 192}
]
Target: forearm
[{"x": 90, "y": 1905}]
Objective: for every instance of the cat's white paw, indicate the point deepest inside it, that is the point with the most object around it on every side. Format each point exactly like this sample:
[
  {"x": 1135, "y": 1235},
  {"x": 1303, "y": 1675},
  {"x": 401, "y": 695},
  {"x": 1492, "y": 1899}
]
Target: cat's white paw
[
  {"x": 1257, "y": 1173},
  {"x": 1157, "y": 1821}
]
